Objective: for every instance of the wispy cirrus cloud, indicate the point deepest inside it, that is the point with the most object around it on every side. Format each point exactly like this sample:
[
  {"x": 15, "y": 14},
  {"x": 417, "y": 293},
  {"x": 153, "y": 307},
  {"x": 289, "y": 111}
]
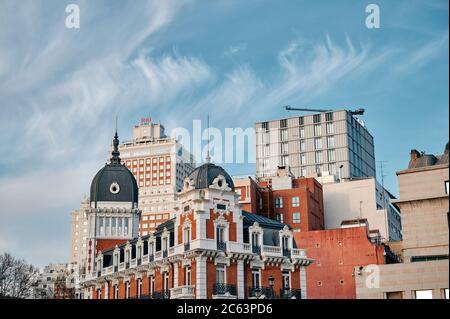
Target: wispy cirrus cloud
[{"x": 423, "y": 55}]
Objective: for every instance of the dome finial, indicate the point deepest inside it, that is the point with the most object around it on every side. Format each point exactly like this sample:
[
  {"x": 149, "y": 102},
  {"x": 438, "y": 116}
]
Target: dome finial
[{"x": 115, "y": 159}]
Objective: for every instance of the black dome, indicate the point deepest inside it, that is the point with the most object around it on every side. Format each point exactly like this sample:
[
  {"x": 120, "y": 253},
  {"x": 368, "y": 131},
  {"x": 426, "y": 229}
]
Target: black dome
[
  {"x": 114, "y": 182},
  {"x": 102, "y": 186},
  {"x": 204, "y": 175}
]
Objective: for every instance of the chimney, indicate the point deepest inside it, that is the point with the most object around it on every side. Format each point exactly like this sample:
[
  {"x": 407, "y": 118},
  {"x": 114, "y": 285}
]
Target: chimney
[{"x": 415, "y": 155}]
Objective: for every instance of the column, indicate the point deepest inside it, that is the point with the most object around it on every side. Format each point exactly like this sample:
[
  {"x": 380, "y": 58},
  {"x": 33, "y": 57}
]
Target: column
[
  {"x": 200, "y": 284},
  {"x": 240, "y": 279},
  {"x": 106, "y": 290},
  {"x": 303, "y": 282},
  {"x": 175, "y": 275}
]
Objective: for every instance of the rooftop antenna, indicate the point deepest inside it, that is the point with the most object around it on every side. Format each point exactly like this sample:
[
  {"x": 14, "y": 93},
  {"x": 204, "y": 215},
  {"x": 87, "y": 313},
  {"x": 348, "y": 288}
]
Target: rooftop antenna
[{"x": 208, "y": 157}]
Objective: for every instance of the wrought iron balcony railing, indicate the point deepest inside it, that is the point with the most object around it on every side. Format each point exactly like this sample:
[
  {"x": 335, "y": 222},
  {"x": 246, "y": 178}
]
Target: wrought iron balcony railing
[
  {"x": 259, "y": 292},
  {"x": 223, "y": 289},
  {"x": 221, "y": 245},
  {"x": 162, "y": 294},
  {"x": 288, "y": 293}
]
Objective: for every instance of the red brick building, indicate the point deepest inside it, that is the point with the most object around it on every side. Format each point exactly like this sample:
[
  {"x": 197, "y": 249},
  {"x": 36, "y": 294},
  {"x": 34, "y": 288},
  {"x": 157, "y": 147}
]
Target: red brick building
[
  {"x": 297, "y": 202},
  {"x": 210, "y": 249},
  {"x": 336, "y": 253}
]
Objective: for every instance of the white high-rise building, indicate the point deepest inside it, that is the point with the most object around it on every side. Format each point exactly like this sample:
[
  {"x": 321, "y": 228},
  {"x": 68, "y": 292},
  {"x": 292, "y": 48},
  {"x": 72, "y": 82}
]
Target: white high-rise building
[
  {"x": 328, "y": 143},
  {"x": 159, "y": 164}
]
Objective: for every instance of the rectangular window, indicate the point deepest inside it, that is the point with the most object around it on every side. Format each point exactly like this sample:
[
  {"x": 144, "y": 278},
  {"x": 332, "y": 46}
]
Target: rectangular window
[
  {"x": 139, "y": 288},
  {"x": 302, "y": 132},
  {"x": 301, "y": 121},
  {"x": 279, "y": 217},
  {"x": 424, "y": 294},
  {"x": 220, "y": 234},
  {"x": 166, "y": 281},
  {"x": 286, "y": 280},
  {"x": 447, "y": 187},
  {"x": 220, "y": 274},
  {"x": 331, "y": 157},
  {"x": 332, "y": 168},
  {"x": 329, "y": 116},
  {"x": 256, "y": 278},
  {"x": 316, "y": 118},
  {"x": 295, "y": 201},
  {"x": 266, "y": 150},
  {"x": 330, "y": 128},
  {"x": 279, "y": 202},
  {"x": 330, "y": 141},
  {"x": 283, "y": 135},
  {"x": 296, "y": 218},
  {"x": 394, "y": 295},
  {"x": 318, "y": 157},
  {"x": 152, "y": 284},
  {"x": 284, "y": 148},
  {"x": 302, "y": 146},
  {"x": 283, "y": 123},
  {"x": 317, "y": 130},
  {"x": 187, "y": 235},
  {"x": 187, "y": 277},
  {"x": 318, "y": 143}
]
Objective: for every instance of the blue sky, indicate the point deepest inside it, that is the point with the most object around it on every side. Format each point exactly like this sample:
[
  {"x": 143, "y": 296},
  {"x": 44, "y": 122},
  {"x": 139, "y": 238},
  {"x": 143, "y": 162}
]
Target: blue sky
[{"x": 239, "y": 61}]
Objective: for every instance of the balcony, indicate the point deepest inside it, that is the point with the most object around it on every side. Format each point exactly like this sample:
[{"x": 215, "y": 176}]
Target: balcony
[
  {"x": 271, "y": 251},
  {"x": 256, "y": 249},
  {"x": 108, "y": 270},
  {"x": 260, "y": 293},
  {"x": 287, "y": 253},
  {"x": 221, "y": 290},
  {"x": 121, "y": 266},
  {"x": 183, "y": 292},
  {"x": 158, "y": 254},
  {"x": 187, "y": 246},
  {"x": 221, "y": 245},
  {"x": 133, "y": 263},
  {"x": 298, "y": 253},
  {"x": 290, "y": 293},
  {"x": 247, "y": 247},
  {"x": 162, "y": 294}
]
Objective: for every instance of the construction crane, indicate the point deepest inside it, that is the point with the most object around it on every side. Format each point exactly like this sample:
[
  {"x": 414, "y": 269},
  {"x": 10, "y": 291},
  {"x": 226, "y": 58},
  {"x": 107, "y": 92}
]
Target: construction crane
[{"x": 359, "y": 111}]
